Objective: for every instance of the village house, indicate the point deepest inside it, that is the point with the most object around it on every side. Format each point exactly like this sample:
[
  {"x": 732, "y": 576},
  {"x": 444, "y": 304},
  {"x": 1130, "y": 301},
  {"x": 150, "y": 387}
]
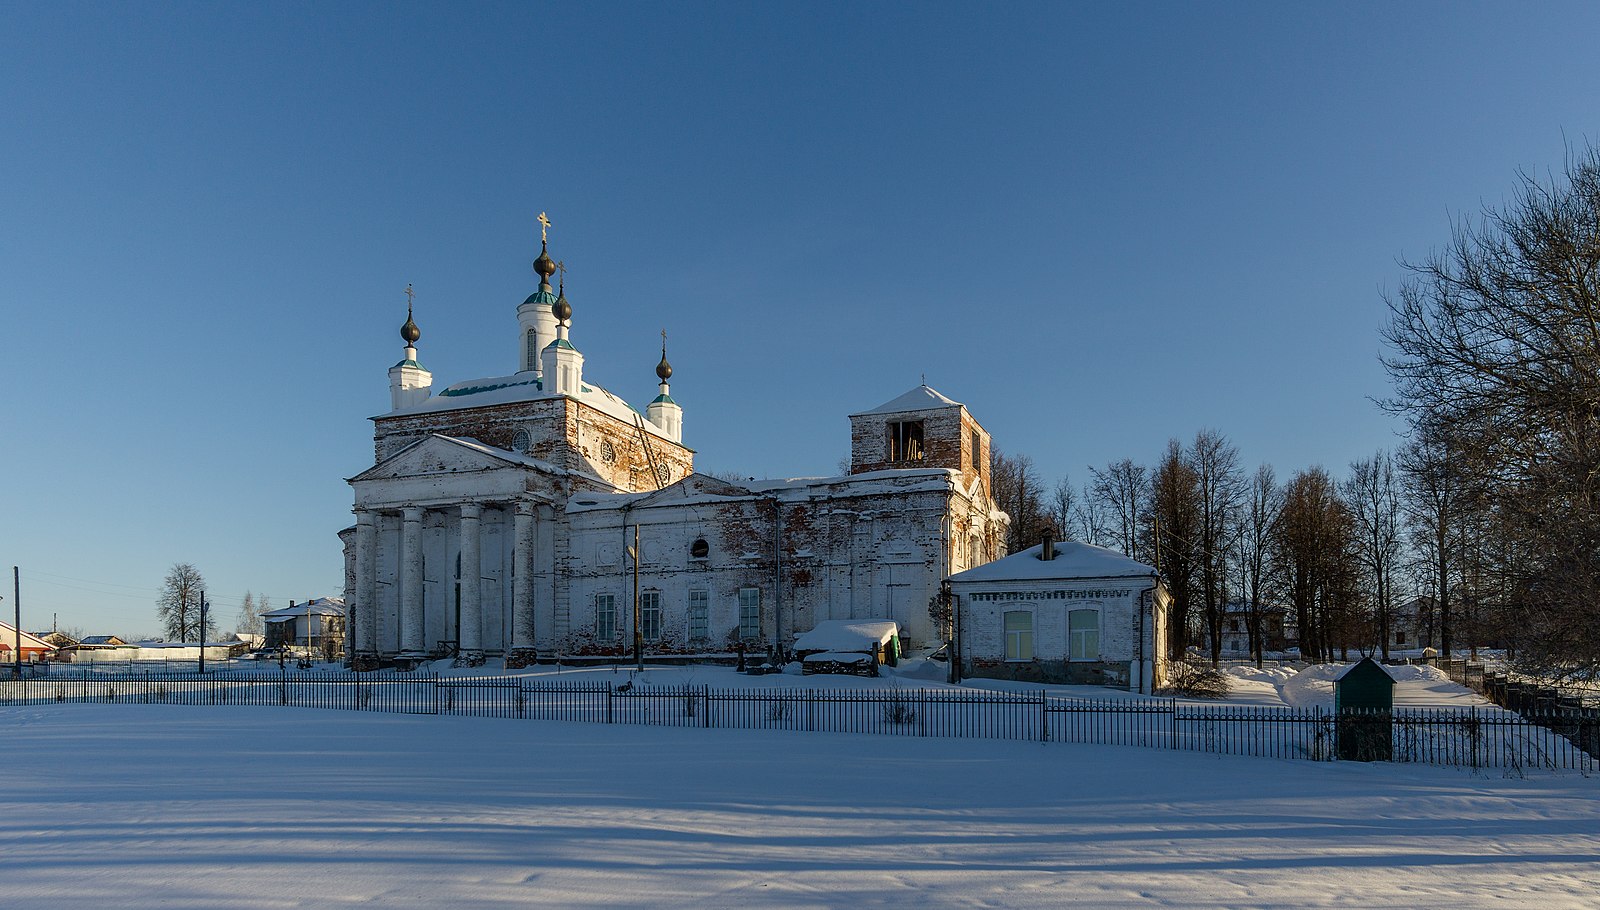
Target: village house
[
  {"x": 508, "y": 516},
  {"x": 1063, "y": 612},
  {"x": 33, "y": 647},
  {"x": 317, "y": 626}
]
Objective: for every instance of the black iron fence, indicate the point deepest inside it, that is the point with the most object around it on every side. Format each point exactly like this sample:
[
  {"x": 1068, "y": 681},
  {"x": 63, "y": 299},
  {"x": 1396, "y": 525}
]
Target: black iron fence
[{"x": 1557, "y": 738}]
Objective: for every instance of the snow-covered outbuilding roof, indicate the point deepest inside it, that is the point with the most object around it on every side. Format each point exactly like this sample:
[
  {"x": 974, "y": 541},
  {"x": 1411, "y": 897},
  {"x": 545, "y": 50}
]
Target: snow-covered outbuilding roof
[
  {"x": 847, "y": 635},
  {"x": 1073, "y": 560}
]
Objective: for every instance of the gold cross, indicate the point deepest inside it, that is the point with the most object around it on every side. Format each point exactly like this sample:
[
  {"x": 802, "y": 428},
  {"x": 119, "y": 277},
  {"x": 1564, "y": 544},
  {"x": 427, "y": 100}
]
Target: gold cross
[
  {"x": 409, "y": 297},
  {"x": 544, "y": 228},
  {"x": 562, "y": 268},
  {"x": 663, "y": 342}
]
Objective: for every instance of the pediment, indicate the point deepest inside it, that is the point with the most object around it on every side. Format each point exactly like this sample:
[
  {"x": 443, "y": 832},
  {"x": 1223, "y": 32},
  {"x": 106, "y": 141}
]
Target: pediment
[
  {"x": 442, "y": 455},
  {"x": 693, "y": 487}
]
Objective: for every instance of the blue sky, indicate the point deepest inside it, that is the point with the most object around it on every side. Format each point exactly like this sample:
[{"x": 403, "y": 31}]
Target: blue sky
[{"x": 1098, "y": 225}]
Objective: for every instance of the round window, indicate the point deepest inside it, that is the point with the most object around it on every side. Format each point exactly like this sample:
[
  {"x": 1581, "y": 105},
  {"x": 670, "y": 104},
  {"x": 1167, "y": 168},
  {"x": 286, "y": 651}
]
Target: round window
[
  {"x": 608, "y": 452},
  {"x": 521, "y": 442}
]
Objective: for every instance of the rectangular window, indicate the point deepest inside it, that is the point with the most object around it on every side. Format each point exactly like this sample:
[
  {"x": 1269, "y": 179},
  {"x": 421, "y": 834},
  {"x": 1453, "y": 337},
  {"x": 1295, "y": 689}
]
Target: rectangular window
[
  {"x": 749, "y": 612},
  {"x": 1083, "y": 635},
  {"x": 605, "y": 617},
  {"x": 650, "y": 615},
  {"x": 1399, "y": 638},
  {"x": 1019, "y": 635},
  {"x": 699, "y": 615},
  {"x": 905, "y": 440},
  {"x": 977, "y": 451}
]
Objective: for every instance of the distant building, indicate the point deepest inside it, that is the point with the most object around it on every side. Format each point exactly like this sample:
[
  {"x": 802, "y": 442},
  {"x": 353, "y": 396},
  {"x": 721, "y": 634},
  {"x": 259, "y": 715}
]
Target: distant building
[
  {"x": 1063, "y": 613},
  {"x": 318, "y": 624},
  {"x": 33, "y": 647}
]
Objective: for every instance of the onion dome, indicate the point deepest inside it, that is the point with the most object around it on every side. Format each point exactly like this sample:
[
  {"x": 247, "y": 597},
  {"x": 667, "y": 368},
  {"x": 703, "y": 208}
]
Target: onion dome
[
  {"x": 544, "y": 265},
  {"x": 409, "y": 332},
  {"x": 664, "y": 369},
  {"x": 561, "y": 308}
]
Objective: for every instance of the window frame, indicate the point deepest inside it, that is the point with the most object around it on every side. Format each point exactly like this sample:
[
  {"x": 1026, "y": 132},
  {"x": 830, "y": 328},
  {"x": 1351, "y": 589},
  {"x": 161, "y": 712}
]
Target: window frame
[
  {"x": 650, "y": 615},
  {"x": 699, "y": 615},
  {"x": 611, "y": 617},
  {"x": 1077, "y": 638},
  {"x": 1015, "y": 638},
  {"x": 749, "y": 620}
]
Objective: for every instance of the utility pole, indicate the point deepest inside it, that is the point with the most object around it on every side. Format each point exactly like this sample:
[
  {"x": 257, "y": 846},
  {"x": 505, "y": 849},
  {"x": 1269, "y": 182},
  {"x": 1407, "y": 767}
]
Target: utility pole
[
  {"x": 638, "y": 633},
  {"x": 202, "y": 630},
  {"x": 16, "y": 602}
]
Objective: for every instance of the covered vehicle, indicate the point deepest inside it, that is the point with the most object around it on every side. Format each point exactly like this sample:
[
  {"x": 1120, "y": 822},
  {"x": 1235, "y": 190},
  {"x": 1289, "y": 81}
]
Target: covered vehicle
[{"x": 856, "y": 646}]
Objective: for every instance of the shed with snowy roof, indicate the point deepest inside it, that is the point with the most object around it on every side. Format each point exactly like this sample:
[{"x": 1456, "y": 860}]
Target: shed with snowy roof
[{"x": 1063, "y": 612}]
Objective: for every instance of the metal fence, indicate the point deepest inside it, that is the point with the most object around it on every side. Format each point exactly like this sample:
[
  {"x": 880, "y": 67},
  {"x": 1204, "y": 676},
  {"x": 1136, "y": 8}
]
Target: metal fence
[{"x": 1558, "y": 738}]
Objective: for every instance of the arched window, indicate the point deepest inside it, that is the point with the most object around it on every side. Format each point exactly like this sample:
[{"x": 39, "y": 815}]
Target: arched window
[{"x": 530, "y": 357}]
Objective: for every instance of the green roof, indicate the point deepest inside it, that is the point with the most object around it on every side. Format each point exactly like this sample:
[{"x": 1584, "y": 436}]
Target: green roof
[
  {"x": 560, "y": 343},
  {"x": 663, "y": 399},
  {"x": 408, "y": 362},
  {"x": 544, "y": 297}
]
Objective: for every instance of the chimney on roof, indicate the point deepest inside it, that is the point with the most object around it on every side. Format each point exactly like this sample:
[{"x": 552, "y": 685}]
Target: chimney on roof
[{"x": 1047, "y": 550}]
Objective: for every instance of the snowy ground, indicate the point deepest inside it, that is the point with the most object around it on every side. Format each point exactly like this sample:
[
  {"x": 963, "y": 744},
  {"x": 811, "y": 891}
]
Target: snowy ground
[{"x": 182, "y": 807}]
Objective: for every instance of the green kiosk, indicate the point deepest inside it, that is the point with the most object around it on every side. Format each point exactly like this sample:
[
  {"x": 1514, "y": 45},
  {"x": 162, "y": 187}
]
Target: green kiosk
[{"x": 1363, "y": 706}]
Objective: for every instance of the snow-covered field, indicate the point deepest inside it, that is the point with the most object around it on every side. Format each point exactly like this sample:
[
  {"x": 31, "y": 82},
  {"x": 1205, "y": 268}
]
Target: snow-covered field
[{"x": 163, "y": 806}]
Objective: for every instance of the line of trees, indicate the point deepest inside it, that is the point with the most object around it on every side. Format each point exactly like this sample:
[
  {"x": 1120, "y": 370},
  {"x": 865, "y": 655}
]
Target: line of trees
[
  {"x": 1340, "y": 555},
  {"x": 1487, "y": 518},
  {"x": 1495, "y": 358}
]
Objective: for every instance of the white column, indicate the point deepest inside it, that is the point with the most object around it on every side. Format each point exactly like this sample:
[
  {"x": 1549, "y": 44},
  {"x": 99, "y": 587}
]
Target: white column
[
  {"x": 522, "y": 580},
  {"x": 471, "y": 631},
  {"x": 364, "y": 612},
  {"x": 411, "y": 582}
]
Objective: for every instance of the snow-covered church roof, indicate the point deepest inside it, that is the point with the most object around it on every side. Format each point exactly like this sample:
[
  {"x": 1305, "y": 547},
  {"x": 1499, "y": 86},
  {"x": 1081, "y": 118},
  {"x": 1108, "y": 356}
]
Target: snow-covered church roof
[
  {"x": 1073, "y": 560},
  {"x": 921, "y": 398},
  {"x": 516, "y": 388}
]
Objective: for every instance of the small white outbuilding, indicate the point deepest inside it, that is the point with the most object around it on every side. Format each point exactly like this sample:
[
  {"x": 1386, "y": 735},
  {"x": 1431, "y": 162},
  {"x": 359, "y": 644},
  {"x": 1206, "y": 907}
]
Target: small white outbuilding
[{"x": 1063, "y": 612}]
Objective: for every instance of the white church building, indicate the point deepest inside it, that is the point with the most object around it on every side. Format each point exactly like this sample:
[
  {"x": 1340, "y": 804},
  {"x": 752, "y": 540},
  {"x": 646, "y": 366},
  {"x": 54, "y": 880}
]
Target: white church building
[{"x": 500, "y": 513}]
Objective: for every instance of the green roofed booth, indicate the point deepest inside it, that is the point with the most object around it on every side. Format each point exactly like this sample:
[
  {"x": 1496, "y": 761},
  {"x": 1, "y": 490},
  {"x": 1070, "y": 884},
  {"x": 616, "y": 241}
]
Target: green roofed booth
[{"x": 1363, "y": 702}]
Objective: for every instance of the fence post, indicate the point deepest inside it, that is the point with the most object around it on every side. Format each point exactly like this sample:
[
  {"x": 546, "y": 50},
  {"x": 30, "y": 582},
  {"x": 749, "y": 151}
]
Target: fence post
[
  {"x": 1044, "y": 718},
  {"x": 1172, "y": 713},
  {"x": 705, "y": 693},
  {"x": 609, "y": 693}
]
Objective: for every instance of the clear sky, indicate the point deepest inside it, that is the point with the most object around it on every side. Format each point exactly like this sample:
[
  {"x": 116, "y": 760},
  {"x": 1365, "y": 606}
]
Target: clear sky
[{"x": 1098, "y": 225}]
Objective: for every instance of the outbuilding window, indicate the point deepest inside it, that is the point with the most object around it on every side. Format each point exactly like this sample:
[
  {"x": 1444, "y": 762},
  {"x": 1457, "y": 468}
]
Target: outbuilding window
[
  {"x": 1019, "y": 635},
  {"x": 1083, "y": 635}
]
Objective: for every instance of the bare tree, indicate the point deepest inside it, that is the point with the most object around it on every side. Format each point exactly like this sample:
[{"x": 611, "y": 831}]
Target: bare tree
[
  {"x": 1372, "y": 491},
  {"x": 1258, "y": 523},
  {"x": 249, "y": 616},
  {"x": 1174, "y": 520},
  {"x": 1215, "y": 464},
  {"x": 1310, "y": 550},
  {"x": 1017, "y": 491},
  {"x": 178, "y": 606},
  {"x": 1119, "y": 491},
  {"x": 1495, "y": 349},
  {"x": 1063, "y": 509}
]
